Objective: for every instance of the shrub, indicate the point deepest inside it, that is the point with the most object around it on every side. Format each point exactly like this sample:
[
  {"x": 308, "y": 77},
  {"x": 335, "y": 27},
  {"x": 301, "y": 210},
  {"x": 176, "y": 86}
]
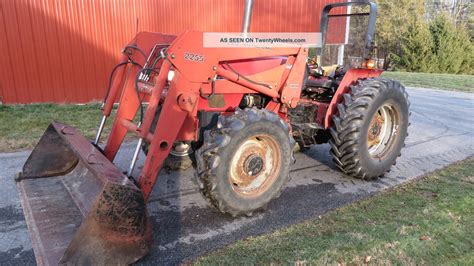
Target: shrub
[
  {"x": 416, "y": 49},
  {"x": 452, "y": 46},
  {"x": 438, "y": 46}
]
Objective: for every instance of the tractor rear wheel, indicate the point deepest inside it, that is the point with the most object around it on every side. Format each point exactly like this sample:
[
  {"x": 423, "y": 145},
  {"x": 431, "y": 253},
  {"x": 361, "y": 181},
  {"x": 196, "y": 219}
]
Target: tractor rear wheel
[
  {"x": 245, "y": 161},
  {"x": 370, "y": 128}
]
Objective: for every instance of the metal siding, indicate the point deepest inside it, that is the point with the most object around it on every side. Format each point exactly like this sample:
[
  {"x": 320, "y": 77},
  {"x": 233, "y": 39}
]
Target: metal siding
[{"x": 63, "y": 50}]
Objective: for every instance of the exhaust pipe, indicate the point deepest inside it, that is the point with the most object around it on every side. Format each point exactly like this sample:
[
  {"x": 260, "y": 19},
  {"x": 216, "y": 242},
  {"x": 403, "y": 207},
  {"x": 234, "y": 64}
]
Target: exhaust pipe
[{"x": 247, "y": 16}]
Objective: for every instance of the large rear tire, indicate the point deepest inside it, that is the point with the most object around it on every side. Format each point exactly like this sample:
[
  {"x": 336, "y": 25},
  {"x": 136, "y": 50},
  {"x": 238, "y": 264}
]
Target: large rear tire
[
  {"x": 245, "y": 161},
  {"x": 370, "y": 128}
]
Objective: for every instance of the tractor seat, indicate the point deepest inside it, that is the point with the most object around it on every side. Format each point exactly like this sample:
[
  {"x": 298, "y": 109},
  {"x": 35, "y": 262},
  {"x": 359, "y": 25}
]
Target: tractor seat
[
  {"x": 325, "y": 71},
  {"x": 316, "y": 78},
  {"x": 322, "y": 82}
]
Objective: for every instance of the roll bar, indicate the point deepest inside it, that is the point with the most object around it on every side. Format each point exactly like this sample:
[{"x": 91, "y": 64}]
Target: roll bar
[{"x": 369, "y": 40}]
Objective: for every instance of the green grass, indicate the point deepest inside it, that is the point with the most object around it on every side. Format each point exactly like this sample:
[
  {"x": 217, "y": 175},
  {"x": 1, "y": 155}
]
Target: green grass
[
  {"x": 437, "y": 81},
  {"x": 21, "y": 126},
  {"x": 430, "y": 222}
]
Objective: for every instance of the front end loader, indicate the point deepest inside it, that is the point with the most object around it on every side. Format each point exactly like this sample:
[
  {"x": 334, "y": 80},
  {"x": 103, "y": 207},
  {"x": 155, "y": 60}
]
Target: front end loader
[{"x": 241, "y": 110}]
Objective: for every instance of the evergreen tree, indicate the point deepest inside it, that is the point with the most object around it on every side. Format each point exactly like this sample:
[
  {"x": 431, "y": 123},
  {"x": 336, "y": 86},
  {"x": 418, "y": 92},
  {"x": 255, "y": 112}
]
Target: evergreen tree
[
  {"x": 416, "y": 49},
  {"x": 451, "y": 46},
  {"x": 395, "y": 19}
]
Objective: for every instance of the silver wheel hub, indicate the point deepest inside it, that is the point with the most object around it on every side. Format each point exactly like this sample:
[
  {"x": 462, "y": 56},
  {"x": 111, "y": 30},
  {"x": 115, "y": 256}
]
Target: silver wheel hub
[{"x": 382, "y": 130}]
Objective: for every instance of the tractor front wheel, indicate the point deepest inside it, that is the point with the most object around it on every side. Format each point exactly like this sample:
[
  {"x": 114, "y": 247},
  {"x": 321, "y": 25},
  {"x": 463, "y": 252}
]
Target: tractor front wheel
[
  {"x": 245, "y": 161},
  {"x": 370, "y": 128}
]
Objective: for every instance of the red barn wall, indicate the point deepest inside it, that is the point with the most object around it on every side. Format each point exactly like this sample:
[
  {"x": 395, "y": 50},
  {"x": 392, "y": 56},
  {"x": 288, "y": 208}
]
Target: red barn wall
[{"x": 63, "y": 50}]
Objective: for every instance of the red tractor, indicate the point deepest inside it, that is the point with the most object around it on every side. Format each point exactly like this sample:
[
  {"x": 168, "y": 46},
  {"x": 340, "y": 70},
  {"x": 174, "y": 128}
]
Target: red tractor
[{"x": 241, "y": 109}]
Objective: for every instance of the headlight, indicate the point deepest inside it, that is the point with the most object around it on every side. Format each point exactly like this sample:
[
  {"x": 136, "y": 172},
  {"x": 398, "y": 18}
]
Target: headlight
[{"x": 170, "y": 75}]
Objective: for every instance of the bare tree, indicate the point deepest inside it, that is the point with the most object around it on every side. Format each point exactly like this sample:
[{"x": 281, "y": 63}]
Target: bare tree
[{"x": 458, "y": 10}]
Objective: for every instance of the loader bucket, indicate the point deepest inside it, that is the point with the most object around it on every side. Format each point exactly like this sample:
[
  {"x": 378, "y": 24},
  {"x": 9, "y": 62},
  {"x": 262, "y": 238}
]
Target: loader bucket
[{"x": 79, "y": 207}]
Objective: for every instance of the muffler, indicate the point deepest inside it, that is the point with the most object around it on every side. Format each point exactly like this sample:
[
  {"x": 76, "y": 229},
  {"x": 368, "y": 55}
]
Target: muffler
[{"x": 79, "y": 207}]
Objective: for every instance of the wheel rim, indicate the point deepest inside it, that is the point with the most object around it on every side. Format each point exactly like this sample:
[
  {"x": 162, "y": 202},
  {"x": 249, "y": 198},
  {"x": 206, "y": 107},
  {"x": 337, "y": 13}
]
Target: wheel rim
[
  {"x": 255, "y": 165},
  {"x": 382, "y": 130}
]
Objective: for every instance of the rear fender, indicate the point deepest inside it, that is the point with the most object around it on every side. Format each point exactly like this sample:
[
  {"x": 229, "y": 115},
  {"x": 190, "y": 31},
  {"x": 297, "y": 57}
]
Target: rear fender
[{"x": 351, "y": 76}]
